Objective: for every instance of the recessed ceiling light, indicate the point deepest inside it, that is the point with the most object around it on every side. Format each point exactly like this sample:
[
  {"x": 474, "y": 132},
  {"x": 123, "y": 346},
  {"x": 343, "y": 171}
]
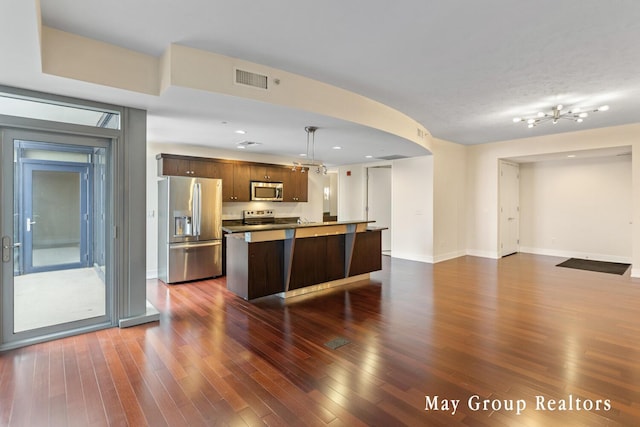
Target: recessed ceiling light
[
  {"x": 571, "y": 156},
  {"x": 337, "y": 148},
  {"x": 368, "y": 157},
  {"x": 241, "y": 132},
  {"x": 303, "y": 155}
]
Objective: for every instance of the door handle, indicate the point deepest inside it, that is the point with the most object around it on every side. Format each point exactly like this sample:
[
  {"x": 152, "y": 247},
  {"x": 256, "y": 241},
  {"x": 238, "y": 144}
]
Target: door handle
[
  {"x": 6, "y": 248},
  {"x": 29, "y": 223}
]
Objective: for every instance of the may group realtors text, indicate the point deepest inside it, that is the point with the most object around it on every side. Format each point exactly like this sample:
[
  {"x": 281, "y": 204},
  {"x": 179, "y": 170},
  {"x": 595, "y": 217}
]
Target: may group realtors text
[{"x": 475, "y": 404}]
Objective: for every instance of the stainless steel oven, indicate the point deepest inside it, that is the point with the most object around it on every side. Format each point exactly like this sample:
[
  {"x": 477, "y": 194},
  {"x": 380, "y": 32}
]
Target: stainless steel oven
[{"x": 266, "y": 191}]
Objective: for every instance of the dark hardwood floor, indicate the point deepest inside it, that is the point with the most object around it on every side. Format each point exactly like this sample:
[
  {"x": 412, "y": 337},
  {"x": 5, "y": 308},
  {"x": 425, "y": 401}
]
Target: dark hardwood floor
[{"x": 512, "y": 332}]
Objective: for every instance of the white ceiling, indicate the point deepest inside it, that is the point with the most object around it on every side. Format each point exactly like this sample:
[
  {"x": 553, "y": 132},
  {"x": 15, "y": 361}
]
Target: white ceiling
[{"x": 462, "y": 68}]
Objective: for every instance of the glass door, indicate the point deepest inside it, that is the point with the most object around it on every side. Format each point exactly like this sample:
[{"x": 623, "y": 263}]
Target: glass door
[
  {"x": 55, "y": 196},
  {"x": 55, "y": 200}
]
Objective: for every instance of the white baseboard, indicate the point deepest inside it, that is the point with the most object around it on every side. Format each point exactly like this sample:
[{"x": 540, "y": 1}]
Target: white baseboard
[
  {"x": 152, "y": 274},
  {"x": 575, "y": 254},
  {"x": 412, "y": 257},
  {"x": 449, "y": 255},
  {"x": 483, "y": 254}
]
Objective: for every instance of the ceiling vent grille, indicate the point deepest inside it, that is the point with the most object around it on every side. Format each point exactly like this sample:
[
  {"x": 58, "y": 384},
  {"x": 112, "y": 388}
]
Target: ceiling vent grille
[
  {"x": 246, "y": 144},
  {"x": 248, "y": 78},
  {"x": 392, "y": 157}
]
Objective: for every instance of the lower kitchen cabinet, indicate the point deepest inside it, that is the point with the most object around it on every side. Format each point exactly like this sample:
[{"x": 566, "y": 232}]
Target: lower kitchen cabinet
[
  {"x": 256, "y": 269},
  {"x": 365, "y": 257},
  {"x": 317, "y": 260},
  {"x": 294, "y": 260}
]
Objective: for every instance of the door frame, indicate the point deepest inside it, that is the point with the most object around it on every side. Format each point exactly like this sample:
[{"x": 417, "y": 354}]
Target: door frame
[
  {"x": 508, "y": 214},
  {"x": 126, "y": 184},
  {"x": 386, "y": 205},
  {"x": 10, "y": 338}
]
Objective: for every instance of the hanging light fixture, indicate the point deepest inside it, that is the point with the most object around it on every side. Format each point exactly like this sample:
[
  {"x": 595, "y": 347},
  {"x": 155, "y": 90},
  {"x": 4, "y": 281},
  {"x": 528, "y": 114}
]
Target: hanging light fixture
[
  {"x": 318, "y": 167},
  {"x": 557, "y": 113}
]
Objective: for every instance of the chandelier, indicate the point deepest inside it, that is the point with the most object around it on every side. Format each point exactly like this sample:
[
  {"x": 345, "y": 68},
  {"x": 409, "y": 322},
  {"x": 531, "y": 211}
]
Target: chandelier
[
  {"x": 318, "y": 167},
  {"x": 557, "y": 113}
]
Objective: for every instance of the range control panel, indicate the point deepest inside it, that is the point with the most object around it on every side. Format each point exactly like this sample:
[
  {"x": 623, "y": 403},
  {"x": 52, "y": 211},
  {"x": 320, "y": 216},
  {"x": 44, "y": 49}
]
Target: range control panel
[{"x": 264, "y": 213}]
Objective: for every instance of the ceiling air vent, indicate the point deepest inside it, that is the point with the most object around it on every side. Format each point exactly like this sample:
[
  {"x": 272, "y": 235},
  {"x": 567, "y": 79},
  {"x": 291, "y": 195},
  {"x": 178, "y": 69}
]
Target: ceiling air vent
[
  {"x": 392, "y": 157},
  {"x": 247, "y": 144},
  {"x": 248, "y": 78}
]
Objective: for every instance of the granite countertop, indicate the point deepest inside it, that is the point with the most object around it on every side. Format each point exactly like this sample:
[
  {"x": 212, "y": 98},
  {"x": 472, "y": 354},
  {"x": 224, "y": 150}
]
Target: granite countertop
[{"x": 228, "y": 228}]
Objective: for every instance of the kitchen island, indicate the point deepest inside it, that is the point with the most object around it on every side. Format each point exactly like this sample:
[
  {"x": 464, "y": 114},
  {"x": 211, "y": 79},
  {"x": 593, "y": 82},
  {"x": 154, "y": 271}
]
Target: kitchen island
[{"x": 294, "y": 259}]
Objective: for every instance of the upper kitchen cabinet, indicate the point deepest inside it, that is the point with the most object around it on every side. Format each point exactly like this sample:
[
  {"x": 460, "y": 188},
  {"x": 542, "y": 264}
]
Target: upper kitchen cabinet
[
  {"x": 187, "y": 166},
  {"x": 296, "y": 185},
  {"x": 267, "y": 173},
  {"x": 237, "y": 175},
  {"x": 236, "y": 182}
]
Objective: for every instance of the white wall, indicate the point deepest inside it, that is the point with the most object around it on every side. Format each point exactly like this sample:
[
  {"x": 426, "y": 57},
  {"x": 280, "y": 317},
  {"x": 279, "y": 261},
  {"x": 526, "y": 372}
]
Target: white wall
[
  {"x": 312, "y": 210},
  {"x": 411, "y": 204},
  {"x": 482, "y": 179},
  {"x": 412, "y": 209},
  {"x": 352, "y": 192},
  {"x": 577, "y": 208},
  {"x": 449, "y": 200}
]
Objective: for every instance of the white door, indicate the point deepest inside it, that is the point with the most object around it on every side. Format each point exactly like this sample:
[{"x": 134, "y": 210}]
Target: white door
[
  {"x": 379, "y": 201},
  {"x": 509, "y": 208}
]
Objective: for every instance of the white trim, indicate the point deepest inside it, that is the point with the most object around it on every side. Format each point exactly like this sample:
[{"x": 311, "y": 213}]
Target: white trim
[
  {"x": 412, "y": 257},
  {"x": 575, "y": 254},
  {"x": 483, "y": 254},
  {"x": 448, "y": 256}
]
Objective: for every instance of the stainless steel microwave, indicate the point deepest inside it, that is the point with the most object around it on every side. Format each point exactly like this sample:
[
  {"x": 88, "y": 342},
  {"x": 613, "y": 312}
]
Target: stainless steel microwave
[{"x": 266, "y": 191}]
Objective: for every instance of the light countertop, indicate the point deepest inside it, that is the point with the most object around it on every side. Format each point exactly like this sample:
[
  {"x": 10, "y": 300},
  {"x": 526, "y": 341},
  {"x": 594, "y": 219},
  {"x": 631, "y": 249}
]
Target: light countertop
[{"x": 270, "y": 227}]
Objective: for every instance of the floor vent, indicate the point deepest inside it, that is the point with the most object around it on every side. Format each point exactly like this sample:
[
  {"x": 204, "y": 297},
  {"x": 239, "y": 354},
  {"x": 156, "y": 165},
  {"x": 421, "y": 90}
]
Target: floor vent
[
  {"x": 248, "y": 78},
  {"x": 337, "y": 342}
]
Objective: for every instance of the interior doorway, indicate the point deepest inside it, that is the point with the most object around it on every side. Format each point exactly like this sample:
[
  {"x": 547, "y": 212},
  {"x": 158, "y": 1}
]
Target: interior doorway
[
  {"x": 509, "y": 195},
  {"x": 379, "y": 202}
]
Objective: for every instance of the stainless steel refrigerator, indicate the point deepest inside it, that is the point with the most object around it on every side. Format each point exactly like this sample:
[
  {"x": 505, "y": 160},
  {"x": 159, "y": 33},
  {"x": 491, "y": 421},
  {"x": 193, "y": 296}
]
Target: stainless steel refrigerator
[{"x": 189, "y": 228}]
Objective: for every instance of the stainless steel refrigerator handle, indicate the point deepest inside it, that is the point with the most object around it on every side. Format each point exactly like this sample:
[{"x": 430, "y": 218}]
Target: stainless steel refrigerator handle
[
  {"x": 197, "y": 210},
  {"x": 194, "y": 210},
  {"x": 188, "y": 245}
]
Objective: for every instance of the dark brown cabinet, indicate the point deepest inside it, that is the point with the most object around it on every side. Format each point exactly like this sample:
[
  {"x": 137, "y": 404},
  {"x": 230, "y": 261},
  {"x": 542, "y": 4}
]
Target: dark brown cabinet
[
  {"x": 317, "y": 260},
  {"x": 236, "y": 182},
  {"x": 257, "y": 267},
  {"x": 236, "y": 175},
  {"x": 266, "y": 173},
  {"x": 271, "y": 261},
  {"x": 296, "y": 185},
  {"x": 174, "y": 166},
  {"x": 266, "y": 272},
  {"x": 366, "y": 253}
]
